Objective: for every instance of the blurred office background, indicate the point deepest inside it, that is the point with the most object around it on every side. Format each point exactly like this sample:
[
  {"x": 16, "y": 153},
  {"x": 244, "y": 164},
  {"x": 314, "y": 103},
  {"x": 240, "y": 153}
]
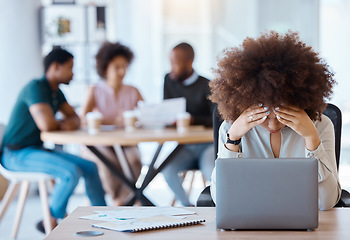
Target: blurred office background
[
  {"x": 151, "y": 28},
  {"x": 29, "y": 29}
]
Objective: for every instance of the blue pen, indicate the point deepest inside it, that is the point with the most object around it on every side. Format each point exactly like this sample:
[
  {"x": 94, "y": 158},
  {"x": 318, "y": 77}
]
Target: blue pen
[{"x": 124, "y": 218}]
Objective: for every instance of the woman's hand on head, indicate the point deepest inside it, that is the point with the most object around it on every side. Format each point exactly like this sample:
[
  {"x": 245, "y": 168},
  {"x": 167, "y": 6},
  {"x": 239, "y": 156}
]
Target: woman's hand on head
[
  {"x": 298, "y": 120},
  {"x": 251, "y": 117}
]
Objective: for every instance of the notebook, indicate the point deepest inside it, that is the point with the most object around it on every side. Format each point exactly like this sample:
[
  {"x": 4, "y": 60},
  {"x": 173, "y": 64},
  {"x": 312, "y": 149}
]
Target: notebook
[
  {"x": 146, "y": 224},
  {"x": 270, "y": 193}
]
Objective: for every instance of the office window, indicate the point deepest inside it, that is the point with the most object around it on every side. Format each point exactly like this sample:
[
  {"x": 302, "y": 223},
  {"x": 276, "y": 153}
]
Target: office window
[{"x": 335, "y": 48}]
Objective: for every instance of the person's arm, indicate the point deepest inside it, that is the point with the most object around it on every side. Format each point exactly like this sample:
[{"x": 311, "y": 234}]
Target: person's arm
[
  {"x": 329, "y": 189},
  {"x": 71, "y": 120},
  {"x": 223, "y": 152},
  {"x": 319, "y": 143},
  {"x": 89, "y": 104},
  {"x": 250, "y": 118},
  {"x": 44, "y": 117}
]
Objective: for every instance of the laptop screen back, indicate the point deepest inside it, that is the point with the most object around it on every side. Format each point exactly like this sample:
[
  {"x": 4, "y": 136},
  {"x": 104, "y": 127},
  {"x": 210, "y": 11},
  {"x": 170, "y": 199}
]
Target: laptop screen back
[{"x": 278, "y": 193}]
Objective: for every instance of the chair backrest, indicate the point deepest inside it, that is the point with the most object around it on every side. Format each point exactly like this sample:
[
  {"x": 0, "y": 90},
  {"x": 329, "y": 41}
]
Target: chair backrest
[
  {"x": 204, "y": 199},
  {"x": 217, "y": 120},
  {"x": 334, "y": 114}
]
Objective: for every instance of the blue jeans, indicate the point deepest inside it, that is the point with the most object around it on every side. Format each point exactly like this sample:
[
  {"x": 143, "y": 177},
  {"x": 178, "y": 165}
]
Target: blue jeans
[
  {"x": 187, "y": 157},
  {"x": 64, "y": 167}
]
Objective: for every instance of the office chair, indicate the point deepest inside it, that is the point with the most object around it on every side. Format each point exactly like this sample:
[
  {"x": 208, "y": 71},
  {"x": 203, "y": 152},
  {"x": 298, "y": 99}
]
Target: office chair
[
  {"x": 24, "y": 179},
  {"x": 334, "y": 114},
  {"x": 204, "y": 199}
]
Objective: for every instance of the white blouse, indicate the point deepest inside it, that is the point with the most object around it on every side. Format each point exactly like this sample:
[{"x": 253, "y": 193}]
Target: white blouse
[{"x": 256, "y": 144}]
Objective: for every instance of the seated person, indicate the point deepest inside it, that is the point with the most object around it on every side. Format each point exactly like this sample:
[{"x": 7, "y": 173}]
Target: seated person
[
  {"x": 183, "y": 81},
  {"x": 111, "y": 98},
  {"x": 271, "y": 93},
  {"x": 34, "y": 112}
]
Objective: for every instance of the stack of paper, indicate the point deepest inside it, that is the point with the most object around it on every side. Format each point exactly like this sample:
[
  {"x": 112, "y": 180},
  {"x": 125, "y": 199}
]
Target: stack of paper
[
  {"x": 160, "y": 114},
  {"x": 140, "y": 219}
]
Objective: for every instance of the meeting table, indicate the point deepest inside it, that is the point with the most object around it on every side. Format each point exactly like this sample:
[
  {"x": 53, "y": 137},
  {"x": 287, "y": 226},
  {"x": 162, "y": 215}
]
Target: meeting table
[
  {"x": 333, "y": 224},
  {"x": 118, "y": 138}
]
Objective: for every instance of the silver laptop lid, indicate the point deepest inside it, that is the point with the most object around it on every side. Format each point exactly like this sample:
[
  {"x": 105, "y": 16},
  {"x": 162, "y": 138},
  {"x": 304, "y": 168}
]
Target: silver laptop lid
[{"x": 278, "y": 193}]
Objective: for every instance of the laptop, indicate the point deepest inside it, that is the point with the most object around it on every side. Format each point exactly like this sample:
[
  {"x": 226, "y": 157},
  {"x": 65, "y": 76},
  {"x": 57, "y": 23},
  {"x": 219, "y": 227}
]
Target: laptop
[{"x": 269, "y": 193}]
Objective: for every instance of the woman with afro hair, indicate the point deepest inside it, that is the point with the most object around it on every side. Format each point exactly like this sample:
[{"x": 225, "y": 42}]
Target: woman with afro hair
[{"x": 271, "y": 92}]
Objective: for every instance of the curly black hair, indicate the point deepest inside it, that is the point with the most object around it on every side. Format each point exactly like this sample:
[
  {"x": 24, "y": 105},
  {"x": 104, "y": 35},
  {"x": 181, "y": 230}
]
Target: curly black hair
[
  {"x": 107, "y": 52},
  {"x": 58, "y": 55},
  {"x": 273, "y": 69}
]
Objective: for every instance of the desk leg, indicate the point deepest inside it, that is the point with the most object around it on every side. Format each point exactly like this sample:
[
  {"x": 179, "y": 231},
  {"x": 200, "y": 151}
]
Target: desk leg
[
  {"x": 148, "y": 178},
  {"x": 131, "y": 201},
  {"x": 138, "y": 193},
  {"x": 124, "y": 164},
  {"x": 115, "y": 170},
  {"x": 152, "y": 172}
]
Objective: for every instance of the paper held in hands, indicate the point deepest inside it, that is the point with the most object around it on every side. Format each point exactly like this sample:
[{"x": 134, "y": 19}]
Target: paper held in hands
[
  {"x": 160, "y": 114},
  {"x": 142, "y": 219}
]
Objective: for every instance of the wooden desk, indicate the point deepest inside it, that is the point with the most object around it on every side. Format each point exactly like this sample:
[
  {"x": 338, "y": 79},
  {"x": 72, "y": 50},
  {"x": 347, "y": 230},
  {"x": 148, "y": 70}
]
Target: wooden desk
[
  {"x": 120, "y": 138},
  {"x": 123, "y": 138},
  {"x": 333, "y": 224}
]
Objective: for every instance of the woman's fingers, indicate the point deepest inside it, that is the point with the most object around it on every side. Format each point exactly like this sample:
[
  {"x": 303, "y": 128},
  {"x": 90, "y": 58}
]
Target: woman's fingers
[
  {"x": 283, "y": 120},
  {"x": 250, "y": 118},
  {"x": 293, "y": 111},
  {"x": 260, "y": 121},
  {"x": 258, "y": 116},
  {"x": 290, "y": 114},
  {"x": 284, "y": 116},
  {"x": 254, "y": 110}
]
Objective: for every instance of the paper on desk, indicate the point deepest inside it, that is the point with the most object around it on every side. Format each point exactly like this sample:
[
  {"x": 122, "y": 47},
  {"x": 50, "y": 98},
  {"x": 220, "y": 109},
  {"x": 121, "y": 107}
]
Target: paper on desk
[
  {"x": 146, "y": 212},
  {"x": 137, "y": 213},
  {"x": 160, "y": 114},
  {"x": 101, "y": 217}
]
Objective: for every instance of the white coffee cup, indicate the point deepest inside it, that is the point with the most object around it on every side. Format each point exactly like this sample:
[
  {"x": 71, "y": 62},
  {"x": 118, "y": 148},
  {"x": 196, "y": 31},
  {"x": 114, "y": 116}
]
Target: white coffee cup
[
  {"x": 183, "y": 121},
  {"x": 129, "y": 120},
  {"x": 94, "y": 121}
]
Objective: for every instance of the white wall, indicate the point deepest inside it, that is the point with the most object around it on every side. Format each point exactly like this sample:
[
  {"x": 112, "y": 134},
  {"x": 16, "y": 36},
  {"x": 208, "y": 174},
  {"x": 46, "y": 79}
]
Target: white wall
[
  {"x": 237, "y": 19},
  {"x": 335, "y": 48},
  {"x": 298, "y": 15},
  {"x": 20, "y": 50},
  {"x": 137, "y": 26}
]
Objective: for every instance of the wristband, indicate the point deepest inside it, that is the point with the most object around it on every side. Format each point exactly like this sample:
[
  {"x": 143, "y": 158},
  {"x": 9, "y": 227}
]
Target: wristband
[{"x": 235, "y": 142}]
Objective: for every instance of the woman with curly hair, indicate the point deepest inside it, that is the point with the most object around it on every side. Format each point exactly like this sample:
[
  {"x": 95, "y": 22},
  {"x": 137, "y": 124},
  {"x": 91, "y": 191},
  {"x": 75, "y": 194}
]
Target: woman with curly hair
[
  {"x": 111, "y": 98},
  {"x": 271, "y": 93}
]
